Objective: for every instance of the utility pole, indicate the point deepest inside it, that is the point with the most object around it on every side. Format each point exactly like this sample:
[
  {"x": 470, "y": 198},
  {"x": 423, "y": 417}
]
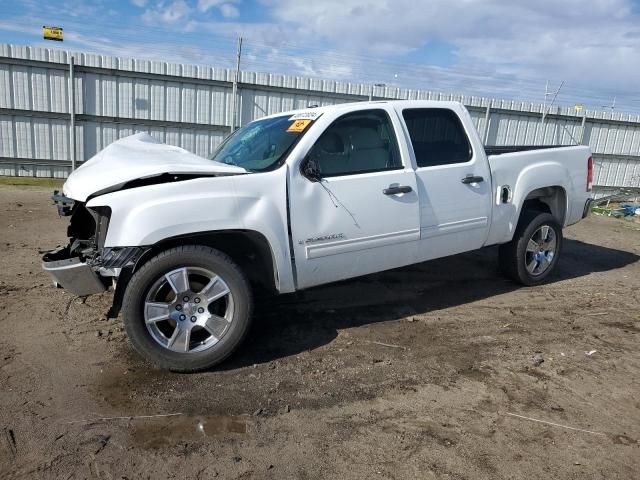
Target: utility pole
[
  {"x": 72, "y": 114},
  {"x": 547, "y": 93},
  {"x": 487, "y": 119},
  {"x": 234, "y": 94},
  {"x": 612, "y": 107},
  {"x": 583, "y": 124},
  {"x": 544, "y": 105},
  {"x": 544, "y": 109}
]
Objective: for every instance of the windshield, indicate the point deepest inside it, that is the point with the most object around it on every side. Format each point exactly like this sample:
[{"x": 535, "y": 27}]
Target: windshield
[{"x": 260, "y": 145}]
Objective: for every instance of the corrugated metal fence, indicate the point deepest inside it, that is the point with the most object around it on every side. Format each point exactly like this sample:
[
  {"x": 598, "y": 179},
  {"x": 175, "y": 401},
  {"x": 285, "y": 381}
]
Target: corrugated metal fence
[{"x": 190, "y": 106}]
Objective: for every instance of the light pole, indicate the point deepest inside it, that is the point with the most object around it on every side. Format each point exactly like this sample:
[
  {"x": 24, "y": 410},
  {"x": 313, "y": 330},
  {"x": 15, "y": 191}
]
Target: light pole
[{"x": 234, "y": 89}]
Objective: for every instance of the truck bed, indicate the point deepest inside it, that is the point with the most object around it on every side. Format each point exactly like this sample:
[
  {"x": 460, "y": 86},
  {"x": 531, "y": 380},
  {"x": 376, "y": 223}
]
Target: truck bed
[{"x": 525, "y": 169}]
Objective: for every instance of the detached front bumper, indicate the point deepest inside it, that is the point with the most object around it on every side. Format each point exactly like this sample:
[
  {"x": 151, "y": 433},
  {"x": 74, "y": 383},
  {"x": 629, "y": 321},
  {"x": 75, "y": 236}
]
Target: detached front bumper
[{"x": 71, "y": 273}]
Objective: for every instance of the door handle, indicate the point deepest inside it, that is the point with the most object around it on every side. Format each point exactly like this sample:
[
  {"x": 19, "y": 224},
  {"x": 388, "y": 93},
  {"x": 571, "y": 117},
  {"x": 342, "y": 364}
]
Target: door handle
[
  {"x": 394, "y": 190},
  {"x": 472, "y": 179}
]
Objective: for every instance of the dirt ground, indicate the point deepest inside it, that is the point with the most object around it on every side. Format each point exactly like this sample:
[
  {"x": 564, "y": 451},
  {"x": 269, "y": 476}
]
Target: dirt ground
[{"x": 422, "y": 372}]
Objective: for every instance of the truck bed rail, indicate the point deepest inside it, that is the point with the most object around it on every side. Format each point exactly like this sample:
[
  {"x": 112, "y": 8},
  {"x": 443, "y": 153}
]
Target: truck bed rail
[{"x": 500, "y": 149}]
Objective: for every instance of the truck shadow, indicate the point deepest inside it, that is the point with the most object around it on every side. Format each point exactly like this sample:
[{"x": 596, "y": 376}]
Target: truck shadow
[{"x": 291, "y": 324}]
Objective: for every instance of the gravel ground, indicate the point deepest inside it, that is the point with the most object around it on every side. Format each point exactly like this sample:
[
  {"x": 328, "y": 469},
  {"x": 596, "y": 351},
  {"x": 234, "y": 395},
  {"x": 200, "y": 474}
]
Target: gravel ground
[{"x": 432, "y": 371}]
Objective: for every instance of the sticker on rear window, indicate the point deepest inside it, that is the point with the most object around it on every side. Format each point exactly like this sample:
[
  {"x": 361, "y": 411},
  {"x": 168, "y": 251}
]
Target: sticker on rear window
[{"x": 299, "y": 125}]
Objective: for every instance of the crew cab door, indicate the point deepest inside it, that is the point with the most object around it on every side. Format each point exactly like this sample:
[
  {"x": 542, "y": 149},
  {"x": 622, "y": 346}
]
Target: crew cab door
[
  {"x": 454, "y": 182},
  {"x": 362, "y": 216}
]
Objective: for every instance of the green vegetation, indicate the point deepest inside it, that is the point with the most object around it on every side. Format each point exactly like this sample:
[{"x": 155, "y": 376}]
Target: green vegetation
[{"x": 32, "y": 182}]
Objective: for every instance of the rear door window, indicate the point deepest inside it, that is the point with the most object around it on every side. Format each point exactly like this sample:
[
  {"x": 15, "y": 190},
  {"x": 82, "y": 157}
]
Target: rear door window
[{"x": 437, "y": 136}]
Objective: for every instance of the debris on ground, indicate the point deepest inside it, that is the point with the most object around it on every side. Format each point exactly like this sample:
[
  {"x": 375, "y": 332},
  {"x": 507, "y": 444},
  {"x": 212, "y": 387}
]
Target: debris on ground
[
  {"x": 386, "y": 344},
  {"x": 285, "y": 409},
  {"x": 102, "y": 441},
  {"x": 627, "y": 211},
  {"x": 631, "y": 209},
  {"x": 537, "y": 359},
  {"x": 553, "y": 424},
  {"x": 8, "y": 442}
]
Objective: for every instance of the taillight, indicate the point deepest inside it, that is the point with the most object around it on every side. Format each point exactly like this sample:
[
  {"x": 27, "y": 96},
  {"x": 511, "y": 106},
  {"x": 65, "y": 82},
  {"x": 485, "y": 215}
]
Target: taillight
[{"x": 589, "y": 174}]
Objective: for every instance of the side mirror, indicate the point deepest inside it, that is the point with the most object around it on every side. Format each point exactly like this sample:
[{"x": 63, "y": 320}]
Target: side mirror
[{"x": 311, "y": 171}]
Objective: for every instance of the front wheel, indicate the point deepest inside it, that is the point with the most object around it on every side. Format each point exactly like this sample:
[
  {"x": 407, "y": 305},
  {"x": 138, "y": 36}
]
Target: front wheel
[
  {"x": 188, "y": 308},
  {"x": 534, "y": 251}
]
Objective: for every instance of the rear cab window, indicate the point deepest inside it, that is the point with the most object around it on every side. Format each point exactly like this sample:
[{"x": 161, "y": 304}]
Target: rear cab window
[{"x": 437, "y": 136}]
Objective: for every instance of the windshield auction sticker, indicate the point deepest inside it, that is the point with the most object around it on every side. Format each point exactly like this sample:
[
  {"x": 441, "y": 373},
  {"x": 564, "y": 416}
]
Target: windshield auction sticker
[
  {"x": 299, "y": 125},
  {"x": 305, "y": 116}
]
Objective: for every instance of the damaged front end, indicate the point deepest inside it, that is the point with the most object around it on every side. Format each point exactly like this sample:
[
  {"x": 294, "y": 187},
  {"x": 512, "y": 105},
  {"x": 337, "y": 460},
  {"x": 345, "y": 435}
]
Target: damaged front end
[{"x": 84, "y": 266}]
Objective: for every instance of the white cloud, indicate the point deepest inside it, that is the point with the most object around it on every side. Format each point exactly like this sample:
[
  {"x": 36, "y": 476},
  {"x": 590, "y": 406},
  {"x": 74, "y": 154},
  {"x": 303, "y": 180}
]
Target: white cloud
[
  {"x": 227, "y": 8},
  {"x": 206, "y": 5},
  {"x": 139, "y": 3},
  {"x": 167, "y": 13},
  {"x": 14, "y": 27},
  {"x": 229, "y": 11},
  {"x": 594, "y": 44}
]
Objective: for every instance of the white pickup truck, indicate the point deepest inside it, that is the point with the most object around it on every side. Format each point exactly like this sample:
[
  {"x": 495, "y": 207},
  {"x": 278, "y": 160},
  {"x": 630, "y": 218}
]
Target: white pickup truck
[{"x": 300, "y": 199}]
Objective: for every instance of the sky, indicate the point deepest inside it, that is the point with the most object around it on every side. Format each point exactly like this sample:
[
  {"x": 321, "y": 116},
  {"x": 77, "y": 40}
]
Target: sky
[{"x": 503, "y": 49}]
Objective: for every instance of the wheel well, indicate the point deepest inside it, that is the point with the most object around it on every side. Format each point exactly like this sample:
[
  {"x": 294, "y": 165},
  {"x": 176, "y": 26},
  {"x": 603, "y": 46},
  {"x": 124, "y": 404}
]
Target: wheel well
[
  {"x": 249, "y": 249},
  {"x": 551, "y": 200}
]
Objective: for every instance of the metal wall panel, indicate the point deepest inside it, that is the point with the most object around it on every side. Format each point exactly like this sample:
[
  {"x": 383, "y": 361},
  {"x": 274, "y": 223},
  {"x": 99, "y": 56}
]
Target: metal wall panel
[
  {"x": 7, "y": 137},
  {"x": 616, "y": 171},
  {"x": 34, "y": 138},
  {"x": 190, "y": 106},
  {"x": 97, "y": 135},
  {"x": 632, "y": 195},
  {"x": 519, "y": 129},
  {"x": 5, "y": 86}
]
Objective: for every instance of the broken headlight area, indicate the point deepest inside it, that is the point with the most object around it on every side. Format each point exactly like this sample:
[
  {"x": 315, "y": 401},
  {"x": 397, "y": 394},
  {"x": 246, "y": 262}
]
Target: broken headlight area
[
  {"x": 64, "y": 204},
  {"x": 87, "y": 226},
  {"x": 73, "y": 266},
  {"x": 87, "y": 230}
]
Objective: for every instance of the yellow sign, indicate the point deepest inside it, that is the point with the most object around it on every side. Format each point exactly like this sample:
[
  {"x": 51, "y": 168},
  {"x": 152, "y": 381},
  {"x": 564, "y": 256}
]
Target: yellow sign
[
  {"x": 299, "y": 125},
  {"x": 52, "y": 33},
  {"x": 578, "y": 107}
]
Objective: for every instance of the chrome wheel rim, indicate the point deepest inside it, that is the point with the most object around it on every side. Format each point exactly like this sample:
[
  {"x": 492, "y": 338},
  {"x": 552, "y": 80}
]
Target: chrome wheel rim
[
  {"x": 188, "y": 310},
  {"x": 541, "y": 249}
]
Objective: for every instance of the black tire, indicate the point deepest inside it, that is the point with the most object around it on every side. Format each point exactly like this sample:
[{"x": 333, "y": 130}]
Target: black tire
[
  {"x": 512, "y": 255},
  {"x": 197, "y": 256}
]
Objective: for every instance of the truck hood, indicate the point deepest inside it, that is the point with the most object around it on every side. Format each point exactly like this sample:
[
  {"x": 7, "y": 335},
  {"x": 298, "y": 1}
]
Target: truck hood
[{"x": 138, "y": 157}]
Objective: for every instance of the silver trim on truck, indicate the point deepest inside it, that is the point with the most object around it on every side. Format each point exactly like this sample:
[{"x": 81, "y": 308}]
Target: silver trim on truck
[{"x": 74, "y": 276}]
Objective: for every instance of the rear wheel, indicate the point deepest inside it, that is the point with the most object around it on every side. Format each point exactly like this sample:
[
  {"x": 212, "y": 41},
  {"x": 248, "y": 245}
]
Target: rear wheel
[
  {"x": 534, "y": 251},
  {"x": 187, "y": 309}
]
